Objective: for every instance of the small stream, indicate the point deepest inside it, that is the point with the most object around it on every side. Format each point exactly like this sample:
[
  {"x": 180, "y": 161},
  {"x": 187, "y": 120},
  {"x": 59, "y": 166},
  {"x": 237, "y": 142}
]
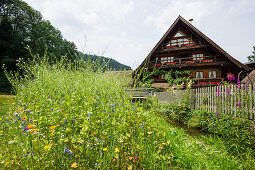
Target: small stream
[{"x": 189, "y": 130}]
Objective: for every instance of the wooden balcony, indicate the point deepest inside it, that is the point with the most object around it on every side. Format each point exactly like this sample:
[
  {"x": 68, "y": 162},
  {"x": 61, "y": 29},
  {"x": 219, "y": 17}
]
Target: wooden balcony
[
  {"x": 185, "y": 45},
  {"x": 188, "y": 61}
]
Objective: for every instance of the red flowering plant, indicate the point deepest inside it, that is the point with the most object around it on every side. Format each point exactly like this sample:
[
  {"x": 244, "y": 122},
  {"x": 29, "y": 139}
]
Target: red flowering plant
[{"x": 188, "y": 62}]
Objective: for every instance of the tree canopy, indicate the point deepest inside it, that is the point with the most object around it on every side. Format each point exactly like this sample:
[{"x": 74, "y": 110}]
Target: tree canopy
[
  {"x": 23, "y": 28},
  {"x": 252, "y": 57}
]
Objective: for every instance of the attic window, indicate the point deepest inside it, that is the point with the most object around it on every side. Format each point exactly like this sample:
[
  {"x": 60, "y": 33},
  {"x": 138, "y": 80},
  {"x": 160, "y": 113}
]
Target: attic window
[{"x": 179, "y": 34}]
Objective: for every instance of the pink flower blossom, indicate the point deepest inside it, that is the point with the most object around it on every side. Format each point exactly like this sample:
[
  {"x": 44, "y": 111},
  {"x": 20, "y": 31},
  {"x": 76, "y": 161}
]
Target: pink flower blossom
[
  {"x": 228, "y": 91},
  {"x": 217, "y": 113}
]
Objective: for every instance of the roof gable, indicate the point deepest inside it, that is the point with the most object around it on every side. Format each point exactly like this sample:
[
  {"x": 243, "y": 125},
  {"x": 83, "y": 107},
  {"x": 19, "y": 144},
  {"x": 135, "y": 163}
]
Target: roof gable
[{"x": 171, "y": 32}]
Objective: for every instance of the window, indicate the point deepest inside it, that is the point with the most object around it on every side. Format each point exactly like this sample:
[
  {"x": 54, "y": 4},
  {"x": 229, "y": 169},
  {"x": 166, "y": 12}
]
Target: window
[
  {"x": 212, "y": 74},
  {"x": 167, "y": 59},
  {"x": 174, "y": 42},
  {"x": 198, "y": 56},
  {"x": 162, "y": 76},
  {"x": 199, "y": 75},
  {"x": 179, "y": 34}
]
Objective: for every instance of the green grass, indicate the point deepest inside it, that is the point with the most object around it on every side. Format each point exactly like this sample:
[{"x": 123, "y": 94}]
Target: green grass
[
  {"x": 67, "y": 115},
  {"x": 5, "y": 102}
]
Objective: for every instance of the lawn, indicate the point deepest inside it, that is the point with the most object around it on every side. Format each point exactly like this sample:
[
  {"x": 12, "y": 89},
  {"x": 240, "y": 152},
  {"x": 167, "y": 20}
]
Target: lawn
[{"x": 75, "y": 116}]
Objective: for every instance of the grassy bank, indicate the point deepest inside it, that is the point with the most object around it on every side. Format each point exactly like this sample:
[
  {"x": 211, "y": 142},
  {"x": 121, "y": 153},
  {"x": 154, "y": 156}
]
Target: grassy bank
[
  {"x": 71, "y": 116},
  {"x": 5, "y": 102}
]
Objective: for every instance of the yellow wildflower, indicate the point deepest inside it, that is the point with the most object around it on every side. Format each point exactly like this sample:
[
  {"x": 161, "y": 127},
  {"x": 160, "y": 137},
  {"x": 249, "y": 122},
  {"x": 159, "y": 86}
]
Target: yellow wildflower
[
  {"x": 33, "y": 130},
  {"x": 105, "y": 149},
  {"x": 19, "y": 109},
  {"x": 30, "y": 126},
  {"x": 47, "y": 147},
  {"x": 149, "y": 133},
  {"x": 117, "y": 150},
  {"x": 65, "y": 115},
  {"x": 53, "y": 127},
  {"x": 24, "y": 118},
  {"x": 74, "y": 165},
  {"x": 1, "y": 132},
  {"x": 1, "y": 118}
]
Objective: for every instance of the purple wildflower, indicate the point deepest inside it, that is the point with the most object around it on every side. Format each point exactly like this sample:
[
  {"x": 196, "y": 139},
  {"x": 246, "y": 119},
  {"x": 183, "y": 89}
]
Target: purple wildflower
[
  {"x": 218, "y": 91},
  {"x": 239, "y": 103},
  {"x": 141, "y": 125},
  {"x": 238, "y": 83},
  {"x": 246, "y": 87},
  {"x": 231, "y": 77},
  {"x": 228, "y": 91},
  {"x": 217, "y": 113}
]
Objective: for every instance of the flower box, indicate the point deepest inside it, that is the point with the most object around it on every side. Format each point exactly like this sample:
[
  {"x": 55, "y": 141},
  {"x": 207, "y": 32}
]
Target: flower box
[
  {"x": 171, "y": 63},
  {"x": 213, "y": 83},
  {"x": 189, "y": 62},
  {"x": 190, "y": 44},
  {"x": 157, "y": 64},
  {"x": 171, "y": 46},
  {"x": 201, "y": 83},
  {"x": 207, "y": 61}
]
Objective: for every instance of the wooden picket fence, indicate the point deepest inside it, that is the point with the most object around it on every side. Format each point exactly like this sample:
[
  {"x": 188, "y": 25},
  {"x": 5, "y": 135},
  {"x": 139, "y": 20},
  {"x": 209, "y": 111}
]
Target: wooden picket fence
[{"x": 226, "y": 99}]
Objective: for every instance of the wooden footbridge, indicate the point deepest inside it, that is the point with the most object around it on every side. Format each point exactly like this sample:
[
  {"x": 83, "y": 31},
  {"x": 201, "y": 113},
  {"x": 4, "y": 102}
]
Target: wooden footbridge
[{"x": 139, "y": 93}]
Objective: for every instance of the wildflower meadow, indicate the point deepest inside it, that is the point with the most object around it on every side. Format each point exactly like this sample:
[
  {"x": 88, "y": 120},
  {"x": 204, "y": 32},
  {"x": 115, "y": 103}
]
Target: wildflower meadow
[{"x": 74, "y": 116}]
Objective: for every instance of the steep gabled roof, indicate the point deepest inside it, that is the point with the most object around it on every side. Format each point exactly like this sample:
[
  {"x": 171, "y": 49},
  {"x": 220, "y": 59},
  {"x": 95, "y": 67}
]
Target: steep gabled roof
[{"x": 199, "y": 33}]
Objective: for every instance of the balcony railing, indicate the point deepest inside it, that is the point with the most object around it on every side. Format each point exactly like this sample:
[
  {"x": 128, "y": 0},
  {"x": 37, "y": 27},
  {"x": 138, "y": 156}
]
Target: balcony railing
[
  {"x": 181, "y": 45},
  {"x": 187, "y": 61}
]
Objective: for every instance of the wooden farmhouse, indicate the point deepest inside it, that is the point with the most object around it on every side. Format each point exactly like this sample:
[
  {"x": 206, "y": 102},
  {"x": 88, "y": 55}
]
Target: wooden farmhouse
[{"x": 184, "y": 47}]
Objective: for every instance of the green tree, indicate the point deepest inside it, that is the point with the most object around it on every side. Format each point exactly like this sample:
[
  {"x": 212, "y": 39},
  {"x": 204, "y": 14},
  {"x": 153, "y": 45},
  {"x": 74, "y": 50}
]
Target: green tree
[
  {"x": 252, "y": 57},
  {"x": 20, "y": 27}
]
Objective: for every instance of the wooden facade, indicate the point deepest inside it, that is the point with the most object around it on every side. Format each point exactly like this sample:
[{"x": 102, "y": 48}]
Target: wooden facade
[{"x": 184, "y": 47}]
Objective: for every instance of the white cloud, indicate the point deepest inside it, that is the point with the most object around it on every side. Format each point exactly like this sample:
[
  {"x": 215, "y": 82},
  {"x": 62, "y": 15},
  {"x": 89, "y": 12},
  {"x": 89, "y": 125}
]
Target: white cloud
[
  {"x": 196, "y": 9},
  {"x": 127, "y": 30}
]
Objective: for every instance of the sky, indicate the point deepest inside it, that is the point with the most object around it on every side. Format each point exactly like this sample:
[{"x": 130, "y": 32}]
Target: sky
[{"x": 127, "y": 30}]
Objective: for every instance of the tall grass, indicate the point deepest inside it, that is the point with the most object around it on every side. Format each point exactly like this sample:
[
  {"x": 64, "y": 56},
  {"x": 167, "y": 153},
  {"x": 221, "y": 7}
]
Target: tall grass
[{"x": 74, "y": 116}]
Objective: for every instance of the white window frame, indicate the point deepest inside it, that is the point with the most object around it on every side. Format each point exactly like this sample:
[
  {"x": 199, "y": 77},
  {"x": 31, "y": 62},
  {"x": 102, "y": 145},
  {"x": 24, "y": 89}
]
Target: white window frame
[
  {"x": 199, "y": 75},
  {"x": 212, "y": 74},
  {"x": 198, "y": 57}
]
